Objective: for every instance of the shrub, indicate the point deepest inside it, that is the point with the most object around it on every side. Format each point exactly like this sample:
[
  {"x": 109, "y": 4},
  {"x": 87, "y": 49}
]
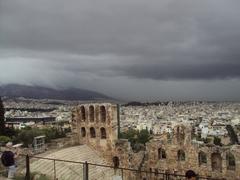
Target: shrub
[
  {"x": 207, "y": 140},
  {"x": 26, "y": 135},
  {"x": 4, "y": 139},
  {"x": 136, "y": 137},
  {"x": 143, "y": 136},
  {"x": 217, "y": 141},
  {"x": 10, "y": 132}
]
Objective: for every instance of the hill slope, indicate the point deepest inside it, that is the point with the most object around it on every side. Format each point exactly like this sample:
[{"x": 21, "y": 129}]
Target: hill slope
[{"x": 37, "y": 92}]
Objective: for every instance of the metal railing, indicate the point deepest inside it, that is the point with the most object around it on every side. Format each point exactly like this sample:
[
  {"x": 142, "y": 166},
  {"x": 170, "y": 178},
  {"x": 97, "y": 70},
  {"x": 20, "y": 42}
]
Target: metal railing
[{"x": 90, "y": 171}]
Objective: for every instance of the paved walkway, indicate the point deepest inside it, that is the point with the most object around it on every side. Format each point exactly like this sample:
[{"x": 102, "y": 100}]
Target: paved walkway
[{"x": 73, "y": 171}]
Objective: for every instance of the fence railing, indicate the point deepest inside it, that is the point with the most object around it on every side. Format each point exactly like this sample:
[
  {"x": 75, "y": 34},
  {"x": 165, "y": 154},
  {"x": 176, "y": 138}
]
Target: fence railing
[{"x": 58, "y": 169}]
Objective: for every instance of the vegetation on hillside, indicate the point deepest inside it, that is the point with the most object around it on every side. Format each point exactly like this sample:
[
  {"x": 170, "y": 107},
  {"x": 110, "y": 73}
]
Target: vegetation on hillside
[
  {"x": 217, "y": 141},
  {"x": 26, "y": 135},
  {"x": 4, "y": 139},
  {"x": 136, "y": 138}
]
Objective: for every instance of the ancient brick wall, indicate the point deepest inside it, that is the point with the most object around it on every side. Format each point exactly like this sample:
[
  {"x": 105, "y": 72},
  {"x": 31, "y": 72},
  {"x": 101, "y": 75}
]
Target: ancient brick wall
[
  {"x": 96, "y": 125},
  {"x": 181, "y": 154}
]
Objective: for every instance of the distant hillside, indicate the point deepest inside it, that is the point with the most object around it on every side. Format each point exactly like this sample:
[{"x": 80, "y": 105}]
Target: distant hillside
[{"x": 37, "y": 92}]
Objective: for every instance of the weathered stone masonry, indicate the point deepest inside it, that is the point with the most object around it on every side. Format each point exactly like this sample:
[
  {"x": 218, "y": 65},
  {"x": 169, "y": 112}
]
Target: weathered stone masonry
[
  {"x": 181, "y": 154},
  {"x": 96, "y": 124}
]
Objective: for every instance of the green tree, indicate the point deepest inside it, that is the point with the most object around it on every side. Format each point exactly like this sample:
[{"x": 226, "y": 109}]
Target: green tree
[
  {"x": 4, "y": 139},
  {"x": 2, "y": 119},
  {"x": 26, "y": 135},
  {"x": 217, "y": 141},
  {"x": 143, "y": 136},
  {"x": 131, "y": 135},
  {"x": 136, "y": 137}
]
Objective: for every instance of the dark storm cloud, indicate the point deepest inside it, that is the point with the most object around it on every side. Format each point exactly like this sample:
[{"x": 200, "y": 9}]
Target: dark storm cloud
[
  {"x": 169, "y": 38},
  {"x": 100, "y": 41},
  {"x": 184, "y": 71}
]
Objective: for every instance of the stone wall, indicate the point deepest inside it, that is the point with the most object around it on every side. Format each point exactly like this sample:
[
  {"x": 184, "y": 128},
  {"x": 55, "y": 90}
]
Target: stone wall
[
  {"x": 182, "y": 154},
  {"x": 96, "y": 125},
  {"x": 117, "y": 152}
]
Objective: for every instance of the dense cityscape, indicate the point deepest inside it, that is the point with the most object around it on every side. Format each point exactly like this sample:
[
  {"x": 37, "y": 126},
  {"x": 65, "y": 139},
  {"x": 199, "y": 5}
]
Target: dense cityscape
[
  {"x": 207, "y": 124},
  {"x": 210, "y": 119}
]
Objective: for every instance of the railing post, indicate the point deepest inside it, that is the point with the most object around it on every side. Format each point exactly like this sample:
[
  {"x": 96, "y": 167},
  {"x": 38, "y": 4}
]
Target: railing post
[
  {"x": 85, "y": 171},
  {"x": 27, "y": 177},
  {"x": 166, "y": 176},
  {"x": 197, "y": 177},
  {"x": 54, "y": 169}
]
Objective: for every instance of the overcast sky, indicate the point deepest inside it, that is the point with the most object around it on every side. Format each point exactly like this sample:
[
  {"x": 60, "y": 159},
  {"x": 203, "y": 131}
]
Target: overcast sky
[{"x": 127, "y": 49}]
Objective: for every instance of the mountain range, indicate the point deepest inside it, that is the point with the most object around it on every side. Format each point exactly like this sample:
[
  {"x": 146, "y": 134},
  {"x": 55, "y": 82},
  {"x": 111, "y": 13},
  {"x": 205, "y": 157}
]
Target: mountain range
[{"x": 39, "y": 92}]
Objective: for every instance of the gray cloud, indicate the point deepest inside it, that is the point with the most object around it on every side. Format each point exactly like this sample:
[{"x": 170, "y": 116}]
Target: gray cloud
[
  {"x": 183, "y": 71},
  {"x": 108, "y": 44}
]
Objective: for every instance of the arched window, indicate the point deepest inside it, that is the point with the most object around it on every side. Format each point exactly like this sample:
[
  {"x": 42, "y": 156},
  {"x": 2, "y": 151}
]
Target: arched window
[
  {"x": 202, "y": 158},
  {"x": 83, "y": 113},
  {"x": 116, "y": 162},
  {"x": 161, "y": 154},
  {"x": 178, "y": 130},
  {"x": 103, "y": 133},
  {"x": 91, "y": 113},
  {"x": 92, "y": 132},
  {"x": 216, "y": 162},
  {"x": 231, "y": 163},
  {"x": 103, "y": 114},
  {"x": 169, "y": 138},
  {"x": 73, "y": 117},
  {"x": 83, "y": 132},
  {"x": 180, "y": 134},
  {"x": 181, "y": 155}
]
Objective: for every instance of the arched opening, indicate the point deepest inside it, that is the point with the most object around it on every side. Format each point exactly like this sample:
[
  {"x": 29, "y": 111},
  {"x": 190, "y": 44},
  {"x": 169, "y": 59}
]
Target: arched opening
[
  {"x": 202, "y": 158},
  {"x": 91, "y": 113},
  {"x": 178, "y": 130},
  {"x": 73, "y": 117},
  {"x": 103, "y": 133},
  {"x": 116, "y": 162},
  {"x": 103, "y": 114},
  {"x": 180, "y": 134},
  {"x": 181, "y": 155},
  {"x": 216, "y": 162},
  {"x": 83, "y": 132},
  {"x": 161, "y": 154},
  {"x": 231, "y": 163},
  {"x": 169, "y": 138},
  {"x": 83, "y": 113},
  {"x": 92, "y": 132}
]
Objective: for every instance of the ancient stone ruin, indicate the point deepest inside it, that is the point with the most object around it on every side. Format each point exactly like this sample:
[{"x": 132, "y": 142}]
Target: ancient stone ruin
[{"x": 97, "y": 125}]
